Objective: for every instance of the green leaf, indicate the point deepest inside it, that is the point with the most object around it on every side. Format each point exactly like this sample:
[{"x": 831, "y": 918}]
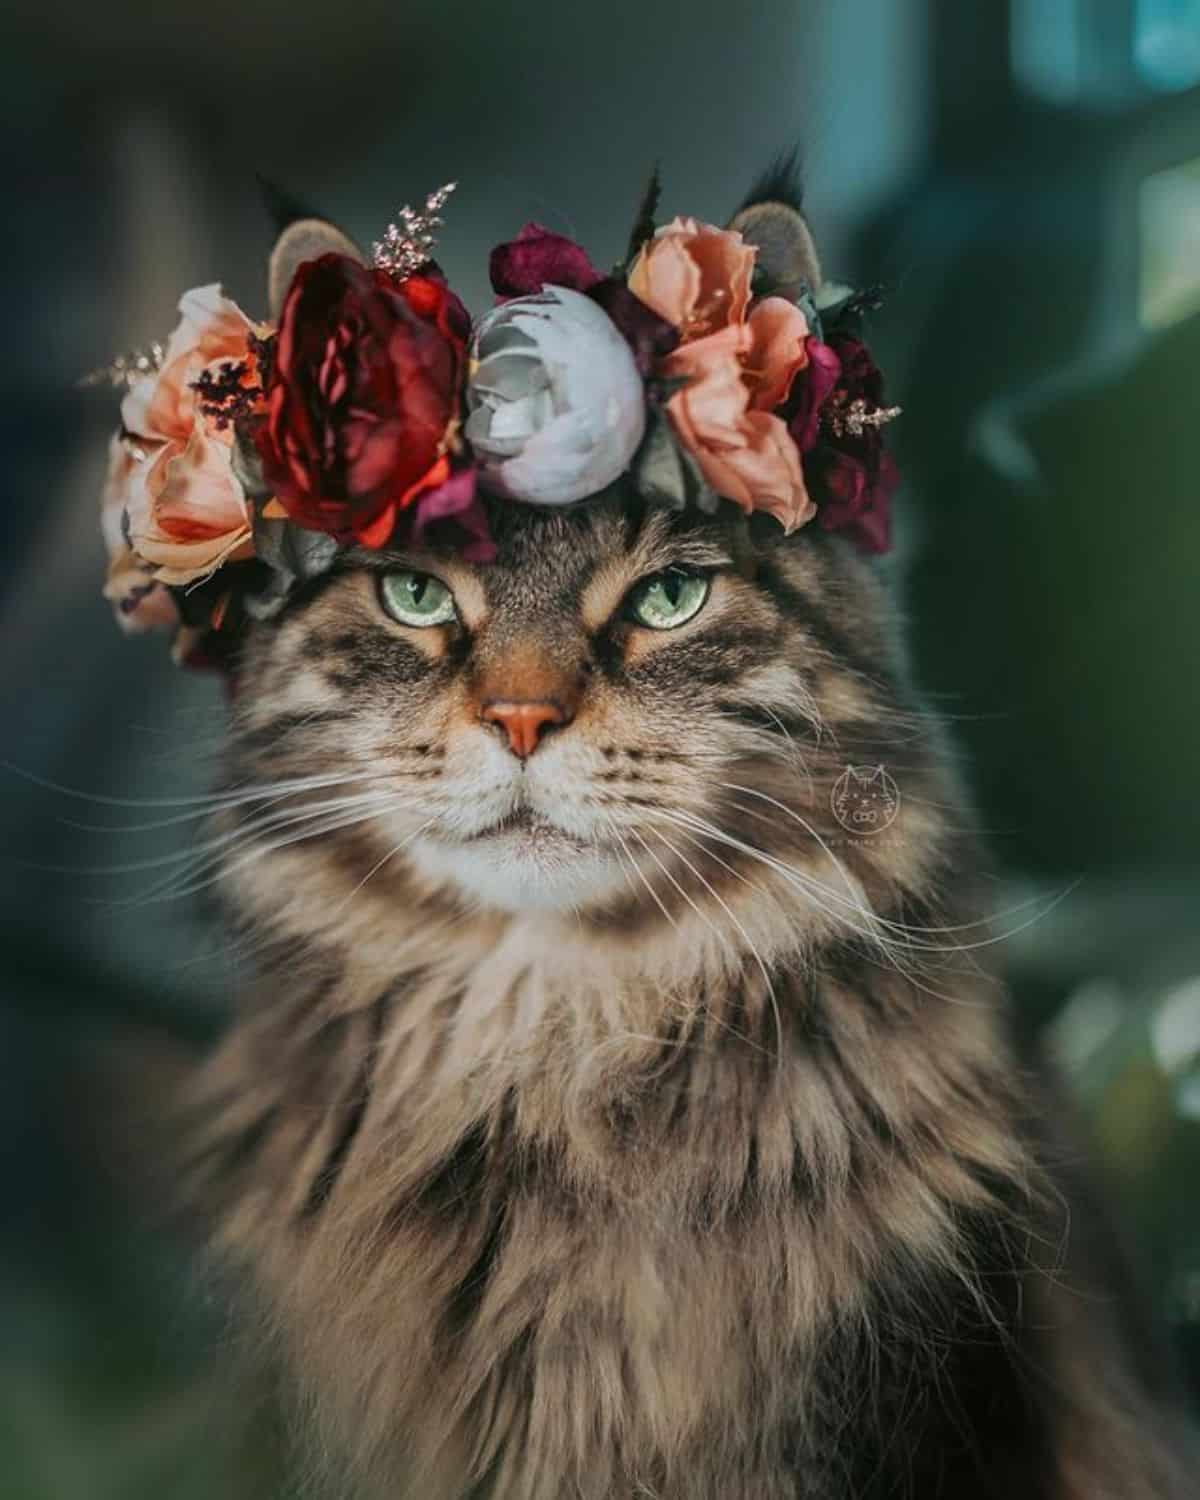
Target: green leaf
[
  {"x": 658, "y": 472},
  {"x": 665, "y": 473},
  {"x": 247, "y": 466},
  {"x": 294, "y": 554}
]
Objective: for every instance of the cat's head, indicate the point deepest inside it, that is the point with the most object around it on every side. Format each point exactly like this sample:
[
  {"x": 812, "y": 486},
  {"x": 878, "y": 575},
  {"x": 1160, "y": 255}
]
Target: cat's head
[
  {"x": 629, "y": 711},
  {"x": 571, "y": 725}
]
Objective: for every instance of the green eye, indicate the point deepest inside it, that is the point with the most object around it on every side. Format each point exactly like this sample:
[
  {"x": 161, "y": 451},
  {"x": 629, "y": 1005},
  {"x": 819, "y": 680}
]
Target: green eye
[
  {"x": 667, "y": 599},
  {"x": 416, "y": 598}
]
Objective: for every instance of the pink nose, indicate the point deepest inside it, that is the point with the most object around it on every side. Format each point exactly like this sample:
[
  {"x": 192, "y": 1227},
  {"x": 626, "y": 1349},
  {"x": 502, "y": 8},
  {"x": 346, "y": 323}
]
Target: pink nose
[{"x": 523, "y": 723}]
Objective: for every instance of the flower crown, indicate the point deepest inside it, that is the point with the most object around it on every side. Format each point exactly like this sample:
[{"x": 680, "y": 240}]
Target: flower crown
[{"x": 711, "y": 366}]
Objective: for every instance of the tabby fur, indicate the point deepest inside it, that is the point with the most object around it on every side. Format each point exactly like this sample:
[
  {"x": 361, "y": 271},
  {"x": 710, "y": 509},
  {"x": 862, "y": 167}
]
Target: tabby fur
[{"x": 684, "y": 1158}]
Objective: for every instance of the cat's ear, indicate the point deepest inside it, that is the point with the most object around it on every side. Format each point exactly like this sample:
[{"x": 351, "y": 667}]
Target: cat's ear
[
  {"x": 772, "y": 221},
  {"x": 304, "y": 239}
]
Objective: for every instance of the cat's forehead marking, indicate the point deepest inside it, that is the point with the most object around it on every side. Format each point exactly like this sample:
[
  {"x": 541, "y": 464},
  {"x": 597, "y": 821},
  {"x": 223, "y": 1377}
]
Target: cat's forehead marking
[
  {"x": 583, "y": 563},
  {"x": 546, "y": 559}
]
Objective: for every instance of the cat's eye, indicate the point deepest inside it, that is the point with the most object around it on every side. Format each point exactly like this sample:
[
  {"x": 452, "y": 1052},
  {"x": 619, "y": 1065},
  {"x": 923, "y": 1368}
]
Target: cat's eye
[
  {"x": 416, "y": 598},
  {"x": 668, "y": 599}
]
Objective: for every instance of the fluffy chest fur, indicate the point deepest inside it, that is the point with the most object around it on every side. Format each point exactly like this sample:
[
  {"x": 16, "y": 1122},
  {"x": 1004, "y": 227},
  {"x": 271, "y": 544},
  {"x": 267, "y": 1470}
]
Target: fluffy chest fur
[{"x": 545, "y": 1221}]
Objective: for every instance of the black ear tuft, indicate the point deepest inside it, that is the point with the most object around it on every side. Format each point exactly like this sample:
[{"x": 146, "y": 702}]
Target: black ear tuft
[
  {"x": 282, "y": 207},
  {"x": 782, "y": 182},
  {"x": 771, "y": 220}
]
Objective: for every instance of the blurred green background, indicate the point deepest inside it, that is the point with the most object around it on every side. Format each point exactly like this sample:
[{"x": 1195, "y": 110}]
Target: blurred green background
[{"x": 1023, "y": 176}]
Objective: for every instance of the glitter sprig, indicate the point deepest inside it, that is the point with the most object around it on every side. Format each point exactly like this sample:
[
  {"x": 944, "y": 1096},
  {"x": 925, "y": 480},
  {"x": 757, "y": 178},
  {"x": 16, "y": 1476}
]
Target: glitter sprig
[
  {"x": 852, "y": 419},
  {"x": 128, "y": 368},
  {"x": 409, "y": 242}
]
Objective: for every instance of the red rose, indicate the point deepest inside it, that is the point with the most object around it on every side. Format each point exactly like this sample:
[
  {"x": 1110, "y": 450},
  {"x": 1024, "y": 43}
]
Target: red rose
[{"x": 364, "y": 389}]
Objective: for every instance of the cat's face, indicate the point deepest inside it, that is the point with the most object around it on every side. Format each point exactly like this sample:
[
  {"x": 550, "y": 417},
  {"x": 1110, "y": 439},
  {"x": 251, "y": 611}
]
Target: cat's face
[{"x": 573, "y": 726}]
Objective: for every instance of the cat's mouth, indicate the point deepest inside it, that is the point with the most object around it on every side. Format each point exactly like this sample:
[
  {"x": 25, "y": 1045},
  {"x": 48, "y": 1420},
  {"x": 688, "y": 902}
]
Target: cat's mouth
[
  {"x": 525, "y": 860},
  {"x": 531, "y": 829}
]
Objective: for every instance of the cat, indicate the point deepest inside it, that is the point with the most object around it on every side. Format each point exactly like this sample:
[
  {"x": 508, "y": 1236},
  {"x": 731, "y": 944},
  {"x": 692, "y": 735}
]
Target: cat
[{"x": 602, "y": 1118}]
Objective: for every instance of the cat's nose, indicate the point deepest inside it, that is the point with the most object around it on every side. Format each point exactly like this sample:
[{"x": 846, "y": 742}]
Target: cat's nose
[{"x": 524, "y": 723}]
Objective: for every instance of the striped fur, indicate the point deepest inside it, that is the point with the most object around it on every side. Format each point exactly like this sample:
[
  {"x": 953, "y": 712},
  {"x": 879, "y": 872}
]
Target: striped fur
[{"x": 684, "y": 1157}]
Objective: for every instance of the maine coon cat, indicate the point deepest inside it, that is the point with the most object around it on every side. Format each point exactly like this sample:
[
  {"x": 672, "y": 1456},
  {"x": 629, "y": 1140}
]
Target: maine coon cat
[{"x": 602, "y": 1117}]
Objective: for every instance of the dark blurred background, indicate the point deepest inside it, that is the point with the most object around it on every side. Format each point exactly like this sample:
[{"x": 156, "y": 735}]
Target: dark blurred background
[{"x": 1024, "y": 178}]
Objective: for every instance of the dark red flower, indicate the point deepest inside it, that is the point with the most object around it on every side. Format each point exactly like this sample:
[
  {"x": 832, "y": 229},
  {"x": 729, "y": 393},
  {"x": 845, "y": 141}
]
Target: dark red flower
[
  {"x": 453, "y": 507},
  {"x": 861, "y": 379},
  {"x": 364, "y": 390},
  {"x": 813, "y": 387},
  {"x": 850, "y": 474},
  {"x": 538, "y": 257},
  {"x": 650, "y": 337},
  {"x": 854, "y": 493}
]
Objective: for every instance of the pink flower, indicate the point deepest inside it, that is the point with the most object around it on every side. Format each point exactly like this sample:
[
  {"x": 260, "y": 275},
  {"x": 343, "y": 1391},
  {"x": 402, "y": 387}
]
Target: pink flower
[
  {"x": 183, "y": 510},
  {"x": 139, "y": 602},
  {"x": 695, "y": 275},
  {"x": 739, "y": 361}
]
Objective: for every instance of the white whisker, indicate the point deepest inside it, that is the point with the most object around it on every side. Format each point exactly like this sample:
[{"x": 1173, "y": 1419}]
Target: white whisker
[
  {"x": 379, "y": 864},
  {"x": 207, "y": 799},
  {"x": 222, "y": 866},
  {"x": 196, "y": 854},
  {"x": 640, "y": 873},
  {"x": 267, "y": 794},
  {"x": 745, "y": 936}
]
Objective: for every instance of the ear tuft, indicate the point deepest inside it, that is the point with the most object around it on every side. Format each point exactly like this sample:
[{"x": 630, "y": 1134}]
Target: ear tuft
[
  {"x": 306, "y": 239},
  {"x": 282, "y": 207},
  {"x": 782, "y": 182},
  {"x": 787, "y": 256}
]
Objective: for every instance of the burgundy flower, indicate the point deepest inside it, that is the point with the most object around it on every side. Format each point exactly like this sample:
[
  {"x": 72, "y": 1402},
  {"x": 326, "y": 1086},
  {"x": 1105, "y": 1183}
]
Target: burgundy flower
[
  {"x": 861, "y": 378},
  {"x": 649, "y": 336},
  {"x": 453, "y": 505},
  {"x": 855, "y": 494},
  {"x": 813, "y": 387},
  {"x": 538, "y": 257},
  {"x": 362, "y": 397},
  {"x": 851, "y": 474}
]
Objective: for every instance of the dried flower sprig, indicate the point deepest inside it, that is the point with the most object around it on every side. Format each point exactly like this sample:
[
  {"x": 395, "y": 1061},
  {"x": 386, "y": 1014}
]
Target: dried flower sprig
[
  {"x": 127, "y": 368},
  {"x": 851, "y": 419},
  {"x": 409, "y": 242}
]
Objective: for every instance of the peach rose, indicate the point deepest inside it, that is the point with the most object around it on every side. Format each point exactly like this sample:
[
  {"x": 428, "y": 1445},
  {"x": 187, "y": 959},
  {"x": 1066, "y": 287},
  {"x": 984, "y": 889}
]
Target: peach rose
[
  {"x": 695, "y": 275},
  {"x": 184, "y": 512},
  {"x": 739, "y": 360},
  {"x": 138, "y": 600}
]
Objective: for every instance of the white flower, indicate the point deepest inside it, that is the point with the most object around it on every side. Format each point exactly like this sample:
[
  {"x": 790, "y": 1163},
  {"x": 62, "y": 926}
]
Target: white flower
[{"x": 556, "y": 403}]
